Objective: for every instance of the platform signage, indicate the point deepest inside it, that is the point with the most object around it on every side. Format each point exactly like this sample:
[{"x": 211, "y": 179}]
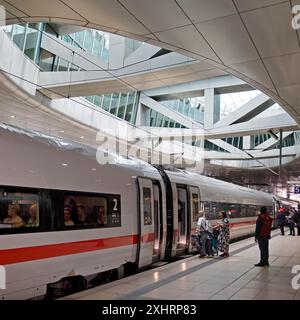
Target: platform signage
[{"x": 297, "y": 189}]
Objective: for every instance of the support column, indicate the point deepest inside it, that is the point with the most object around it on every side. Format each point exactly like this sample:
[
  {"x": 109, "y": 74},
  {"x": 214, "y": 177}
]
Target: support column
[
  {"x": 116, "y": 51},
  {"x": 143, "y": 116},
  {"x": 212, "y": 108},
  {"x": 217, "y": 108},
  {"x": 280, "y": 153},
  {"x": 247, "y": 142}
]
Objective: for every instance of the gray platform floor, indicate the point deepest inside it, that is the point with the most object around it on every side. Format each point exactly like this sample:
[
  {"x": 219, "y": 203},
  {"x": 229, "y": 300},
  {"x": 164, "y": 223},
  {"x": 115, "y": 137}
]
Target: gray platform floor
[{"x": 233, "y": 278}]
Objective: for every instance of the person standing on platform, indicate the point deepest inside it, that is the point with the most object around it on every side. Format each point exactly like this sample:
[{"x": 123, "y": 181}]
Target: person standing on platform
[
  {"x": 224, "y": 235},
  {"x": 263, "y": 235},
  {"x": 209, "y": 232},
  {"x": 297, "y": 221},
  {"x": 203, "y": 237},
  {"x": 281, "y": 220},
  {"x": 291, "y": 222}
]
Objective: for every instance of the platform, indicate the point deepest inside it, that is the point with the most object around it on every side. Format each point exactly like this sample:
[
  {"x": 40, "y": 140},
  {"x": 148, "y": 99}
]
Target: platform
[{"x": 233, "y": 278}]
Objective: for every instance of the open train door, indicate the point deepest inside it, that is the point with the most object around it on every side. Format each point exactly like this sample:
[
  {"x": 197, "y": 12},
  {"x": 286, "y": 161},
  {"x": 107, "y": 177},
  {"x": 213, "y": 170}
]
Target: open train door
[
  {"x": 146, "y": 225},
  {"x": 194, "y": 195}
]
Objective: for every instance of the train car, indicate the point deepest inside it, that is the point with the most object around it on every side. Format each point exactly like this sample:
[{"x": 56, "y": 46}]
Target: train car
[
  {"x": 66, "y": 220},
  {"x": 191, "y": 190},
  {"x": 283, "y": 205},
  {"x": 286, "y": 204}
]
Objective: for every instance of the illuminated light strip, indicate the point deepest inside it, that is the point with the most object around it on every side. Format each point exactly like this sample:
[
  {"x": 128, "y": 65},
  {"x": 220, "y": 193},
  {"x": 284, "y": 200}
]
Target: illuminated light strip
[{"x": 17, "y": 255}]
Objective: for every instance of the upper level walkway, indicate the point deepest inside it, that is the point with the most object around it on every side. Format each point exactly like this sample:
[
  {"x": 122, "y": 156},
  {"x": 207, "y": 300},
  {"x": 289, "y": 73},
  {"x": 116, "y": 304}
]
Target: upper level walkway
[{"x": 233, "y": 278}]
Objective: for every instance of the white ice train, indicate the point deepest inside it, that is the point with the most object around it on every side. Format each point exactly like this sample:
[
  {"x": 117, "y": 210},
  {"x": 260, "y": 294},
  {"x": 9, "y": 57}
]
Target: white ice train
[{"x": 65, "y": 218}]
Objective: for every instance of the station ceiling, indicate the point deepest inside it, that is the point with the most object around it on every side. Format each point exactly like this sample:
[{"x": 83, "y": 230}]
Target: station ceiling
[{"x": 253, "y": 40}]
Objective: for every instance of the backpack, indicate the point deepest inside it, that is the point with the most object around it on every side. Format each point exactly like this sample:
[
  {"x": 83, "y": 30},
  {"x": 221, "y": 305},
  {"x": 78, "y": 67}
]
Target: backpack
[{"x": 267, "y": 226}]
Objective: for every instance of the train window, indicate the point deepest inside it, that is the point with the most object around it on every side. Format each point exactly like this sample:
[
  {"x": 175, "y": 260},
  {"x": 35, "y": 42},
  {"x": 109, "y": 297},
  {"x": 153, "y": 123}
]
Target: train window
[
  {"x": 234, "y": 211},
  {"x": 85, "y": 211},
  {"x": 195, "y": 204},
  {"x": 252, "y": 211},
  {"x": 19, "y": 210},
  {"x": 243, "y": 211},
  {"x": 147, "y": 206}
]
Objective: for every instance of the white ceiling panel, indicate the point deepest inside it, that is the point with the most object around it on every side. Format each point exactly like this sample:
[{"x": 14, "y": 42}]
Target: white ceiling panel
[
  {"x": 11, "y": 8},
  {"x": 244, "y": 5},
  {"x": 256, "y": 70},
  {"x": 200, "y": 66},
  {"x": 284, "y": 70},
  {"x": 157, "y": 15},
  {"x": 229, "y": 39},
  {"x": 203, "y": 10},
  {"x": 146, "y": 77},
  {"x": 174, "y": 72},
  {"x": 45, "y": 8},
  {"x": 190, "y": 39},
  {"x": 291, "y": 94},
  {"x": 107, "y": 13},
  {"x": 195, "y": 76},
  {"x": 148, "y": 85},
  {"x": 271, "y": 30}
]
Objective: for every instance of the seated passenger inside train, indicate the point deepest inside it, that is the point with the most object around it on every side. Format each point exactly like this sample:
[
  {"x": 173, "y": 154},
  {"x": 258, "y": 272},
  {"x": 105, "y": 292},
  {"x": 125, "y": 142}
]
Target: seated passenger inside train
[
  {"x": 33, "y": 216},
  {"x": 14, "y": 218},
  {"x": 82, "y": 219},
  {"x": 100, "y": 215},
  {"x": 67, "y": 216}
]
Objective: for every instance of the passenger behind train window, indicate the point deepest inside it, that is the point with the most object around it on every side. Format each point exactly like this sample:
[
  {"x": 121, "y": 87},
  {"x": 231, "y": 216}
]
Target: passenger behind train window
[
  {"x": 18, "y": 210},
  {"x": 82, "y": 218},
  {"x": 86, "y": 211},
  {"x": 100, "y": 215},
  {"x": 67, "y": 216},
  {"x": 13, "y": 216},
  {"x": 33, "y": 220}
]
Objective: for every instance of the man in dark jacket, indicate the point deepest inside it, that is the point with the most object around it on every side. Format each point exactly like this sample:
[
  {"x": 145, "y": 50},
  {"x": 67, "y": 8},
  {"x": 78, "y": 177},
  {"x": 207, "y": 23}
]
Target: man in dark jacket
[
  {"x": 263, "y": 235},
  {"x": 297, "y": 221},
  {"x": 281, "y": 220}
]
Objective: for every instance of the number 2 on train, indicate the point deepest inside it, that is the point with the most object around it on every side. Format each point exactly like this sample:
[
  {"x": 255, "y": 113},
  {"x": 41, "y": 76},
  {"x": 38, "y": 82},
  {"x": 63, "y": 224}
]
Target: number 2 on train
[{"x": 115, "y": 204}]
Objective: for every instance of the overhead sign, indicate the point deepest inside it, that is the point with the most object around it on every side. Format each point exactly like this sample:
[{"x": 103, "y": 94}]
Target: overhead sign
[{"x": 297, "y": 189}]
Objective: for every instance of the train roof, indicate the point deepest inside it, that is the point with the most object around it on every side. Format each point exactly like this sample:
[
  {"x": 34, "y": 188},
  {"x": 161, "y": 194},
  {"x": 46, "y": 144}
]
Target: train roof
[
  {"x": 221, "y": 191},
  {"x": 33, "y": 151},
  {"x": 287, "y": 202}
]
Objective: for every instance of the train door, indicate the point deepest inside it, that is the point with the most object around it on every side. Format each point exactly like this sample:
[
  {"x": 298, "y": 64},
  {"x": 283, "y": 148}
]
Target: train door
[
  {"x": 195, "y": 210},
  {"x": 182, "y": 209},
  {"x": 146, "y": 225}
]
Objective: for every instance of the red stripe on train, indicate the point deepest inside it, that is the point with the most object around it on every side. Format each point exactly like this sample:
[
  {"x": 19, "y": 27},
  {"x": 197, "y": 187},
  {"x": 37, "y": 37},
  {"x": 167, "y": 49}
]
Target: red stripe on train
[
  {"x": 149, "y": 237},
  {"x": 233, "y": 224},
  {"x": 17, "y": 255},
  {"x": 241, "y": 223},
  {"x": 8, "y": 256}
]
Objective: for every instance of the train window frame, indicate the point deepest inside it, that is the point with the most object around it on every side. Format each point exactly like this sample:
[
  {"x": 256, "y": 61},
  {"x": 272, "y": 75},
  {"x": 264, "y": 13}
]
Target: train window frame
[
  {"x": 24, "y": 229},
  {"x": 109, "y": 198}
]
